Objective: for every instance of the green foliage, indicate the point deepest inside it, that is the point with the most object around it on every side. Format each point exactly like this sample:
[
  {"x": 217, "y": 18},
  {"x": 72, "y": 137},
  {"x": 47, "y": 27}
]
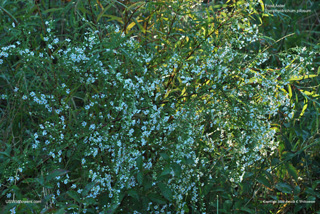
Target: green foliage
[{"x": 153, "y": 106}]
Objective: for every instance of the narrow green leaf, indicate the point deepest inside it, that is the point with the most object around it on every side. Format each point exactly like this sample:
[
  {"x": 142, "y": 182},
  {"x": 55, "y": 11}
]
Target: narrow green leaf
[
  {"x": 9, "y": 14},
  {"x": 140, "y": 178},
  {"x": 56, "y": 173},
  {"x": 136, "y": 4},
  {"x": 119, "y": 19},
  {"x": 292, "y": 171},
  {"x": 5, "y": 154},
  {"x": 52, "y": 10},
  {"x": 139, "y": 25},
  {"x": 139, "y": 162},
  {"x": 104, "y": 10},
  {"x": 246, "y": 209},
  {"x": 264, "y": 181},
  {"x": 290, "y": 90},
  {"x": 304, "y": 108},
  {"x": 303, "y": 77},
  {"x": 284, "y": 187},
  {"x": 262, "y": 5}
]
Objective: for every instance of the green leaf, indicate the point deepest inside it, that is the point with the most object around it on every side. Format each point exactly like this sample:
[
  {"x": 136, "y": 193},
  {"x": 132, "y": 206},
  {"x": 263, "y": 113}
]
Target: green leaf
[
  {"x": 133, "y": 194},
  {"x": 312, "y": 94},
  {"x": 61, "y": 211},
  {"x": 136, "y": 4},
  {"x": 303, "y": 77},
  {"x": 5, "y": 154},
  {"x": 315, "y": 184},
  {"x": 296, "y": 190},
  {"x": 164, "y": 156},
  {"x": 139, "y": 25},
  {"x": 104, "y": 10},
  {"x": 9, "y": 14},
  {"x": 140, "y": 178},
  {"x": 156, "y": 198},
  {"x": 262, "y": 5},
  {"x": 304, "y": 108},
  {"x": 166, "y": 192},
  {"x": 88, "y": 188},
  {"x": 183, "y": 91},
  {"x": 246, "y": 209},
  {"x": 92, "y": 59},
  {"x": 166, "y": 170},
  {"x": 177, "y": 169},
  {"x": 119, "y": 19},
  {"x": 284, "y": 187},
  {"x": 56, "y": 173},
  {"x": 207, "y": 188},
  {"x": 263, "y": 180},
  {"x": 290, "y": 90},
  {"x": 292, "y": 171},
  {"x": 73, "y": 194},
  {"x": 139, "y": 162},
  {"x": 52, "y": 10}
]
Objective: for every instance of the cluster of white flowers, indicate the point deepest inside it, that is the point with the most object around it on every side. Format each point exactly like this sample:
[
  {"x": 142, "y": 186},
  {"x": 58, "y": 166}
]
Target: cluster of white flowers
[{"x": 134, "y": 126}]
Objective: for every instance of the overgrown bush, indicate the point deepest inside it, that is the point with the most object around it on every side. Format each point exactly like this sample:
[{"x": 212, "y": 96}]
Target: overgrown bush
[{"x": 161, "y": 111}]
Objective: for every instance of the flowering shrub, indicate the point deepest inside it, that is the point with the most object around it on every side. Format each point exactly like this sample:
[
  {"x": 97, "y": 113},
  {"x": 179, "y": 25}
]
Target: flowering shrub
[{"x": 115, "y": 120}]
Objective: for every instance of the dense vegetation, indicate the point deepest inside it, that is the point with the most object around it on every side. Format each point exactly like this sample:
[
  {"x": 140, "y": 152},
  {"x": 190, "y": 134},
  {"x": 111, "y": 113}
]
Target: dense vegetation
[{"x": 159, "y": 106}]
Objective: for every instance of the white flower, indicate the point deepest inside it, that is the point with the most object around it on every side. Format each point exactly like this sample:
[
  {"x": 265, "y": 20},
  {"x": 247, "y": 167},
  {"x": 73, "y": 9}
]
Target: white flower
[
  {"x": 11, "y": 179},
  {"x": 13, "y": 210},
  {"x": 92, "y": 126},
  {"x": 13, "y": 25},
  {"x": 46, "y": 39},
  {"x": 8, "y": 195}
]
